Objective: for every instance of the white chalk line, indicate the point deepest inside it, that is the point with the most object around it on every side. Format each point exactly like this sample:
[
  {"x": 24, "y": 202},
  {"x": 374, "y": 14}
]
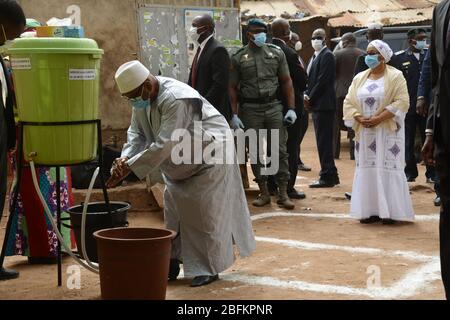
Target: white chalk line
[
  {"x": 411, "y": 255},
  {"x": 411, "y": 284},
  {"x": 421, "y": 217},
  {"x": 408, "y": 286}
]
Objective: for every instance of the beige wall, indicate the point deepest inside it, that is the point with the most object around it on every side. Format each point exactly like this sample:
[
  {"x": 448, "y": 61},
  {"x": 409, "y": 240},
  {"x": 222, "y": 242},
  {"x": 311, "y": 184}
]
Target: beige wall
[{"x": 112, "y": 23}]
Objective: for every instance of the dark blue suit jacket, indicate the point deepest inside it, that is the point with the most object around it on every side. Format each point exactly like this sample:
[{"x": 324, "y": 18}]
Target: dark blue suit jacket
[
  {"x": 412, "y": 69},
  {"x": 424, "y": 89},
  {"x": 321, "y": 82}
]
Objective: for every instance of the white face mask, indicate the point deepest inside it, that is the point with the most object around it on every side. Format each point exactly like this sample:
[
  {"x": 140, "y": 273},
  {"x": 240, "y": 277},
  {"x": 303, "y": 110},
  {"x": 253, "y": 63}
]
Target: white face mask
[
  {"x": 298, "y": 46},
  {"x": 317, "y": 44},
  {"x": 194, "y": 35}
]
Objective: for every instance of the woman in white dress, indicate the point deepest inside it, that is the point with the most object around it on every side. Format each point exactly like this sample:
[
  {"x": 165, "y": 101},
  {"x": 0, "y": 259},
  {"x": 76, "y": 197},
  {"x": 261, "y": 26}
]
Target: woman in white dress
[{"x": 375, "y": 108}]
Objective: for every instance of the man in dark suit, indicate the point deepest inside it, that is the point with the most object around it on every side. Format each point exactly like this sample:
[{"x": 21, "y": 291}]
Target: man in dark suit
[
  {"x": 12, "y": 24},
  {"x": 211, "y": 66},
  {"x": 410, "y": 62},
  {"x": 297, "y": 45},
  {"x": 437, "y": 143},
  {"x": 281, "y": 35},
  {"x": 320, "y": 98},
  {"x": 424, "y": 94},
  {"x": 345, "y": 57}
]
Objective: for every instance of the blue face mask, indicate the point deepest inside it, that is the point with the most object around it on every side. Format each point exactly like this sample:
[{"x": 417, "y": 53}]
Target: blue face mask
[
  {"x": 260, "y": 39},
  {"x": 372, "y": 61},
  {"x": 139, "y": 103},
  {"x": 420, "y": 45}
]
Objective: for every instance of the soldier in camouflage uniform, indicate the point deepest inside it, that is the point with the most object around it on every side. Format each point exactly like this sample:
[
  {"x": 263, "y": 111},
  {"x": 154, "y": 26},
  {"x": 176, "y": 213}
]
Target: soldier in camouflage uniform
[{"x": 258, "y": 71}]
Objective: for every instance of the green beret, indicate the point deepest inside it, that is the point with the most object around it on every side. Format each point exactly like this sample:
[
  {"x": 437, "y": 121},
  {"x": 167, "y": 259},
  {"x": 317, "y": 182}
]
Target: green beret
[
  {"x": 415, "y": 31},
  {"x": 257, "y": 22}
]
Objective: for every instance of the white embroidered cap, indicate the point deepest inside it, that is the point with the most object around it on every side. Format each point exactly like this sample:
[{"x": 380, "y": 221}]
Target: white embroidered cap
[
  {"x": 383, "y": 48},
  {"x": 131, "y": 75}
]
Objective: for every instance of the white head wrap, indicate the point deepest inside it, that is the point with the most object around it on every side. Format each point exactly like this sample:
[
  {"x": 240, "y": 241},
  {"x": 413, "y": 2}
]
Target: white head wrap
[
  {"x": 131, "y": 75},
  {"x": 383, "y": 48}
]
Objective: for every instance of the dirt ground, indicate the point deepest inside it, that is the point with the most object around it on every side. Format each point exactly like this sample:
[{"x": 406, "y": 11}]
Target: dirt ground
[{"x": 313, "y": 252}]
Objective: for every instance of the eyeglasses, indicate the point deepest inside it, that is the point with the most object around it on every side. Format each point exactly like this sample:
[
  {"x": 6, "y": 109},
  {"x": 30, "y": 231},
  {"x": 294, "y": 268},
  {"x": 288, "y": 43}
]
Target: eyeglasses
[
  {"x": 134, "y": 99},
  {"x": 317, "y": 38}
]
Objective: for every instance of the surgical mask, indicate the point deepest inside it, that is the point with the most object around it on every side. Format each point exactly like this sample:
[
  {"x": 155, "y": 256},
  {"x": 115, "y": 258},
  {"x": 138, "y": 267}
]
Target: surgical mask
[
  {"x": 420, "y": 45},
  {"x": 317, "y": 44},
  {"x": 139, "y": 103},
  {"x": 260, "y": 39},
  {"x": 298, "y": 46},
  {"x": 194, "y": 35},
  {"x": 372, "y": 61}
]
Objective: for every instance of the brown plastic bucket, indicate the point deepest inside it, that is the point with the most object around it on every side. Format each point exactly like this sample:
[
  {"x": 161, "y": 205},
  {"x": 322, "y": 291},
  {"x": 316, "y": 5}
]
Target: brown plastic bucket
[{"x": 134, "y": 263}]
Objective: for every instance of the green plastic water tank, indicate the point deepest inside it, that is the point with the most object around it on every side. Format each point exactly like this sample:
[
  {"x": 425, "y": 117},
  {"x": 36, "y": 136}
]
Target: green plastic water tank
[{"x": 57, "y": 80}]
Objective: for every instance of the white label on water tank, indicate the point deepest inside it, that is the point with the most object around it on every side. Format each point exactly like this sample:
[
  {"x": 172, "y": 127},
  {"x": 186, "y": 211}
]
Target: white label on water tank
[
  {"x": 21, "y": 64},
  {"x": 82, "y": 74}
]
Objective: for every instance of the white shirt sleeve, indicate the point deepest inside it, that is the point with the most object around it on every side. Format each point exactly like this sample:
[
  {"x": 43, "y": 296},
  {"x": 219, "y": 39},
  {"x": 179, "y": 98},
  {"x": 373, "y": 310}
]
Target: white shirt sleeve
[{"x": 349, "y": 123}]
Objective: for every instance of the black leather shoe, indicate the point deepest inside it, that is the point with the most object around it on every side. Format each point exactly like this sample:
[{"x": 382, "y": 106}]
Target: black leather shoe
[
  {"x": 430, "y": 181},
  {"x": 302, "y": 167},
  {"x": 8, "y": 274},
  {"x": 294, "y": 194},
  {"x": 437, "y": 202},
  {"x": 373, "y": 219},
  {"x": 348, "y": 195},
  {"x": 389, "y": 222},
  {"x": 174, "y": 269},
  {"x": 204, "y": 280},
  {"x": 323, "y": 184}
]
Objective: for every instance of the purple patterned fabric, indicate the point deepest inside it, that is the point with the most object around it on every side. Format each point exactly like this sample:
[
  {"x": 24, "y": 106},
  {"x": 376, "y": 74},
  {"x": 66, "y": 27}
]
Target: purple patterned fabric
[
  {"x": 372, "y": 87},
  {"x": 370, "y": 102},
  {"x": 395, "y": 150},
  {"x": 373, "y": 146}
]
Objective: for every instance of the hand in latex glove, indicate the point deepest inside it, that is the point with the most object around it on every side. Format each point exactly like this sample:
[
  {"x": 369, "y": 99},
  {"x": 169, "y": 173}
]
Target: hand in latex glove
[
  {"x": 290, "y": 118},
  {"x": 236, "y": 123}
]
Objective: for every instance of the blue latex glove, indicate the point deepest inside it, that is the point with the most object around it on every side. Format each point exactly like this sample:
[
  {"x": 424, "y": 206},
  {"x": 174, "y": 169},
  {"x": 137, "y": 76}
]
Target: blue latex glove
[
  {"x": 236, "y": 123},
  {"x": 290, "y": 118}
]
